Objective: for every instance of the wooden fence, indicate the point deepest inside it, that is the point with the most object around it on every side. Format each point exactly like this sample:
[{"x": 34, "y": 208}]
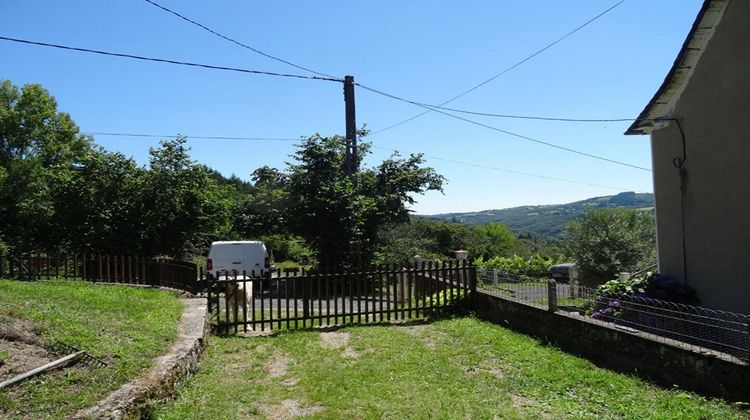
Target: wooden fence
[
  {"x": 291, "y": 299},
  {"x": 102, "y": 268}
]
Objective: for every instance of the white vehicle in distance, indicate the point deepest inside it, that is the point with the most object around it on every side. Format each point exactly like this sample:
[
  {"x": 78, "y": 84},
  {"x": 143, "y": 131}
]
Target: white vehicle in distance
[{"x": 238, "y": 257}]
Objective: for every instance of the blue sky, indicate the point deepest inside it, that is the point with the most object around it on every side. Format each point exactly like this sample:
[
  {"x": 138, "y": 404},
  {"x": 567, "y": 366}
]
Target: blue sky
[{"x": 423, "y": 50}]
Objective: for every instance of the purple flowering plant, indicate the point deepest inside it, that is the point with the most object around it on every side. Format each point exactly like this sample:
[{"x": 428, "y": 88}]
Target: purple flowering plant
[{"x": 610, "y": 296}]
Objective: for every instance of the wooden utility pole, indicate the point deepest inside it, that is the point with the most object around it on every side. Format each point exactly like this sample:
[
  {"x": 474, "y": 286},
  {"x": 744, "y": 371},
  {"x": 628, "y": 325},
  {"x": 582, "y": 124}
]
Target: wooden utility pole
[
  {"x": 351, "y": 155},
  {"x": 351, "y": 126}
]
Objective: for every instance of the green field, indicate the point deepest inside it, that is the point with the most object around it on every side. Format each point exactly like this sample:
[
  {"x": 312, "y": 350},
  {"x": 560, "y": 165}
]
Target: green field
[
  {"x": 457, "y": 368},
  {"x": 126, "y": 326}
]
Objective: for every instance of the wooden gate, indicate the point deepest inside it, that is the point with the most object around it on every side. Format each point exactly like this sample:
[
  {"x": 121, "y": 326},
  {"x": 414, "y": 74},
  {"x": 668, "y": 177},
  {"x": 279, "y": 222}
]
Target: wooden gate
[{"x": 302, "y": 299}]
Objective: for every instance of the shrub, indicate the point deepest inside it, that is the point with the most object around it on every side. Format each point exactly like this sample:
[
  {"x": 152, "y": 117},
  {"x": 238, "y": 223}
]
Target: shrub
[
  {"x": 608, "y": 301},
  {"x": 534, "y": 266},
  {"x": 653, "y": 286},
  {"x": 607, "y": 241}
]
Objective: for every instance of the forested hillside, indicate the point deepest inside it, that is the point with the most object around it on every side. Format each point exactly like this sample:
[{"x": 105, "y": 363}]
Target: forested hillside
[{"x": 547, "y": 221}]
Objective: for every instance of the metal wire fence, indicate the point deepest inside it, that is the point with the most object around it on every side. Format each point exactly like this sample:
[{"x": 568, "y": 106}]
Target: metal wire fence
[
  {"x": 513, "y": 286},
  {"x": 696, "y": 328}
]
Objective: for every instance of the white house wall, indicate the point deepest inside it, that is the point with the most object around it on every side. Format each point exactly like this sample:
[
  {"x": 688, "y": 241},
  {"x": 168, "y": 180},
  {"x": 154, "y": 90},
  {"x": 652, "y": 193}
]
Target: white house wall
[{"x": 714, "y": 111}]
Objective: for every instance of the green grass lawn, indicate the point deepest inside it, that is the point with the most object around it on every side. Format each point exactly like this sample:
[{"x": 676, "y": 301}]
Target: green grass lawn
[
  {"x": 457, "y": 368},
  {"x": 126, "y": 326}
]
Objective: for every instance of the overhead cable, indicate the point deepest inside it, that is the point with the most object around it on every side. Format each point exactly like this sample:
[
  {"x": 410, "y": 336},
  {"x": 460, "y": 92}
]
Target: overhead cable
[
  {"x": 234, "y": 41},
  {"x": 532, "y": 117},
  {"x": 241, "y": 44},
  {"x": 162, "y": 60},
  {"x": 99, "y": 133},
  {"x": 477, "y": 165},
  {"x": 373, "y": 146},
  {"x": 510, "y": 133},
  {"x": 536, "y": 53}
]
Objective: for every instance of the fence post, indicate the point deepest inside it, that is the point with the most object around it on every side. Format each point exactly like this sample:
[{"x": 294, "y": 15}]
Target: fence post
[
  {"x": 472, "y": 279},
  {"x": 552, "y": 295},
  {"x": 305, "y": 298}
]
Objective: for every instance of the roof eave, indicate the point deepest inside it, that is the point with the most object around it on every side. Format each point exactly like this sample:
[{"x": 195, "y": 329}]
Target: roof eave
[{"x": 662, "y": 104}]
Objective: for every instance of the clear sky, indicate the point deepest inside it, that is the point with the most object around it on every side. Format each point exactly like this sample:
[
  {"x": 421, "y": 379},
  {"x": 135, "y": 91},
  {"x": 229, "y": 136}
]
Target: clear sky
[{"x": 422, "y": 50}]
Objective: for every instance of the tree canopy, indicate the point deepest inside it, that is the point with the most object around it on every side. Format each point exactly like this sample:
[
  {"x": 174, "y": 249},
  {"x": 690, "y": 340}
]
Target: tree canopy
[
  {"x": 339, "y": 215},
  {"x": 605, "y": 242},
  {"x": 58, "y": 191},
  {"x": 61, "y": 192}
]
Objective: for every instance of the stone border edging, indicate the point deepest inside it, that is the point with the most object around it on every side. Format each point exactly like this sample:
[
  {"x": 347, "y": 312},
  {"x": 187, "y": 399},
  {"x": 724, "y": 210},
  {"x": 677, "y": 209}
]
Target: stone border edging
[{"x": 132, "y": 399}]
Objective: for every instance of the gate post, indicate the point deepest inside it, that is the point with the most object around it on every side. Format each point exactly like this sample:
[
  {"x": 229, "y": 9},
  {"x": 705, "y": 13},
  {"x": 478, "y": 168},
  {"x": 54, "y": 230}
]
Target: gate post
[
  {"x": 552, "y": 295},
  {"x": 306, "y": 299},
  {"x": 472, "y": 280}
]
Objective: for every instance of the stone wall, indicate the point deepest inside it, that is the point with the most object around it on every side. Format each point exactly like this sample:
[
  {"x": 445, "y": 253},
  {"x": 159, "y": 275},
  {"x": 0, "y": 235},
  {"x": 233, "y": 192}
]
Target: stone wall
[{"x": 663, "y": 361}]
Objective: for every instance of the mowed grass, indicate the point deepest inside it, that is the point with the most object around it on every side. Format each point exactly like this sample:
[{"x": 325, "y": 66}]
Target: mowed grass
[
  {"x": 126, "y": 326},
  {"x": 456, "y": 368}
]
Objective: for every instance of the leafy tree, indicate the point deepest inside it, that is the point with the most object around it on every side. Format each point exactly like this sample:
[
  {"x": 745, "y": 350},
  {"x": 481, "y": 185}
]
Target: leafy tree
[
  {"x": 185, "y": 206},
  {"x": 285, "y": 247},
  {"x": 102, "y": 206},
  {"x": 336, "y": 213},
  {"x": 264, "y": 210},
  {"x": 502, "y": 241},
  {"x": 439, "y": 240},
  {"x": 402, "y": 242},
  {"x": 607, "y": 241},
  {"x": 40, "y": 150}
]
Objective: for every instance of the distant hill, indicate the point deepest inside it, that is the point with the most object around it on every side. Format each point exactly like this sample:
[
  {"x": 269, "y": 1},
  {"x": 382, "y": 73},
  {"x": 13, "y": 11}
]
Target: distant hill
[{"x": 546, "y": 221}]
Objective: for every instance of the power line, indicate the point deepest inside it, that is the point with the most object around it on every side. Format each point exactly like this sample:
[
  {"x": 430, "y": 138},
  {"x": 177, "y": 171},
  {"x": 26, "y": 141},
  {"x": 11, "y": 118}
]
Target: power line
[
  {"x": 475, "y": 87},
  {"x": 510, "y": 133},
  {"x": 534, "y": 117},
  {"x": 99, "y": 133},
  {"x": 142, "y": 135},
  {"x": 234, "y": 41},
  {"x": 494, "y": 168},
  {"x": 162, "y": 60},
  {"x": 315, "y": 78}
]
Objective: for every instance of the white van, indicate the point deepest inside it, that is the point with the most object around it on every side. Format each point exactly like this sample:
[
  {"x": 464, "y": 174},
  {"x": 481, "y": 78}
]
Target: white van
[{"x": 250, "y": 257}]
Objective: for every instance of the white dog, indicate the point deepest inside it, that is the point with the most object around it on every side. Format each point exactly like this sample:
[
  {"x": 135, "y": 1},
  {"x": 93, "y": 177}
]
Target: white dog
[{"x": 239, "y": 295}]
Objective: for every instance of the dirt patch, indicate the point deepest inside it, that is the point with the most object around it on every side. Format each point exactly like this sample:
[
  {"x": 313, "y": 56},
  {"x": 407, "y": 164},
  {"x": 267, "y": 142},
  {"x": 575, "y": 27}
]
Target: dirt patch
[
  {"x": 290, "y": 382},
  {"x": 337, "y": 340},
  {"x": 18, "y": 330},
  {"x": 418, "y": 330},
  {"x": 526, "y": 403},
  {"x": 290, "y": 408},
  {"x": 238, "y": 362},
  {"x": 415, "y": 329},
  {"x": 277, "y": 365},
  {"x": 350, "y": 353},
  {"x": 263, "y": 348},
  {"x": 334, "y": 340},
  {"x": 22, "y": 357},
  {"x": 494, "y": 371},
  {"x": 24, "y": 349},
  {"x": 488, "y": 367}
]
